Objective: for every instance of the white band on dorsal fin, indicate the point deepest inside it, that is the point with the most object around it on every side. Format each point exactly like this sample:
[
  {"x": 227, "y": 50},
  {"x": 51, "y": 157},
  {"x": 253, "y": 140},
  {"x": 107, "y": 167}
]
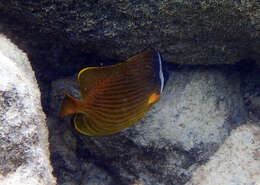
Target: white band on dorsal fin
[{"x": 160, "y": 71}]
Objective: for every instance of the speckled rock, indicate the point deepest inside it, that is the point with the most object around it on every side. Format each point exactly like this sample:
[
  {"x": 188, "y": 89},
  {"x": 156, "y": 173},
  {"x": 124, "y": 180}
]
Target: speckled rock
[
  {"x": 69, "y": 167},
  {"x": 195, "y": 112},
  {"x": 237, "y": 161},
  {"x": 193, "y": 32},
  {"x": 195, "y": 115},
  {"x": 24, "y": 147}
]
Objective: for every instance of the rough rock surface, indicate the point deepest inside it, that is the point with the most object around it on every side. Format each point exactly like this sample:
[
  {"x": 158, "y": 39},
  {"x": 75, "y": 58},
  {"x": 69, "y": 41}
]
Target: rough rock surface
[
  {"x": 197, "y": 108},
  {"x": 237, "y": 161},
  {"x": 195, "y": 115},
  {"x": 24, "y": 150},
  {"x": 194, "y": 32}
]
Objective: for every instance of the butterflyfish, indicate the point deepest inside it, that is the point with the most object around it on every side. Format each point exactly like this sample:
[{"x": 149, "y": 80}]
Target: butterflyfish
[{"x": 117, "y": 96}]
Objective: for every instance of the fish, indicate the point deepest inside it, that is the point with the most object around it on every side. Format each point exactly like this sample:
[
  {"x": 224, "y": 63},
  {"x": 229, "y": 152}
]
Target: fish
[{"x": 116, "y": 97}]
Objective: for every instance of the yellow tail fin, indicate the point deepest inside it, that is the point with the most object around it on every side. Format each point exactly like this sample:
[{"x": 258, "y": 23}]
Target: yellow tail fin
[{"x": 70, "y": 105}]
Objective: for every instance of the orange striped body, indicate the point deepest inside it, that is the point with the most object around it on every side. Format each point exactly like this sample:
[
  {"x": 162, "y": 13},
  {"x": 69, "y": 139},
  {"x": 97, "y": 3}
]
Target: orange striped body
[{"x": 115, "y": 97}]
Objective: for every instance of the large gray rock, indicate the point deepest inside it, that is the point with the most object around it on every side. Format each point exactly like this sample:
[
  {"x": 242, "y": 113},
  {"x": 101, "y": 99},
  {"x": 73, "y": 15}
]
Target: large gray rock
[
  {"x": 194, "y": 32},
  {"x": 198, "y": 109},
  {"x": 237, "y": 161},
  {"x": 24, "y": 147},
  {"x": 195, "y": 111}
]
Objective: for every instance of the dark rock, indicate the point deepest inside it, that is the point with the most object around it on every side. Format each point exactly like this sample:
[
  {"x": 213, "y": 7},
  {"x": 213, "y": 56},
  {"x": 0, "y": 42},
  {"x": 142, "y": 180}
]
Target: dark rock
[{"x": 191, "y": 32}]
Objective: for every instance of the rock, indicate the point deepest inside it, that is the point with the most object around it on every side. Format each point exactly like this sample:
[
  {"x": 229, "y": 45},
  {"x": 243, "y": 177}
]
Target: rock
[
  {"x": 68, "y": 166},
  {"x": 24, "y": 149},
  {"x": 198, "y": 109},
  {"x": 237, "y": 161},
  {"x": 191, "y": 32}
]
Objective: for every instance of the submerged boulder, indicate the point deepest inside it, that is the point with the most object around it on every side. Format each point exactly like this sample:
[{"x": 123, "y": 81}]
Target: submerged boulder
[
  {"x": 237, "y": 161},
  {"x": 24, "y": 147}
]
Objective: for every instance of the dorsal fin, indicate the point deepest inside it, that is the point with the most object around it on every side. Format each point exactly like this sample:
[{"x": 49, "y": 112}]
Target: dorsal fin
[{"x": 91, "y": 77}]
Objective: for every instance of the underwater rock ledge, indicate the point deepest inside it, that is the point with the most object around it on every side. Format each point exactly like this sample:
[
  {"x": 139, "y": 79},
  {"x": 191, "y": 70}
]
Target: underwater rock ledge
[{"x": 186, "y": 32}]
